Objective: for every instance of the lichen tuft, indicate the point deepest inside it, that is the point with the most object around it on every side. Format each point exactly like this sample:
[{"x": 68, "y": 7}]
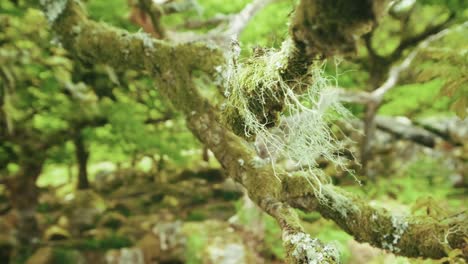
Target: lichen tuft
[
  {"x": 400, "y": 225},
  {"x": 53, "y": 8},
  {"x": 311, "y": 251},
  {"x": 263, "y": 106}
]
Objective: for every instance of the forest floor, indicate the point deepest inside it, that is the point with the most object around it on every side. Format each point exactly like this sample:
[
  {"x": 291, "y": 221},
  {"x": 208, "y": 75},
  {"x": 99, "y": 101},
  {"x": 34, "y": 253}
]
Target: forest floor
[{"x": 197, "y": 216}]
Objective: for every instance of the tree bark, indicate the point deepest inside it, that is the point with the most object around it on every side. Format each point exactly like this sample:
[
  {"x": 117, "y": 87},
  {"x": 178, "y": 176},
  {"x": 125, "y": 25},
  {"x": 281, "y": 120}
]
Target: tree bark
[
  {"x": 23, "y": 195},
  {"x": 82, "y": 156}
]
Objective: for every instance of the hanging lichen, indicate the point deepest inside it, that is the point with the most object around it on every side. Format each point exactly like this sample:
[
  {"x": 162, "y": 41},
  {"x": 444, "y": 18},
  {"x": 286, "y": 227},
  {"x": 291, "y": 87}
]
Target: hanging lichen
[{"x": 265, "y": 108}]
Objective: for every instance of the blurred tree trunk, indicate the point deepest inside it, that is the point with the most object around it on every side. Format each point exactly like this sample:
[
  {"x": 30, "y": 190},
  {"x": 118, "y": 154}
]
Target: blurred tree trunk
[
  {"x": 82, "y": 156},
  {"x": 70, "y": 172},
  {"x": 206, "y": 154},
  {"x": 378, "y": 68},
  {"x": 23, "y": 194}
]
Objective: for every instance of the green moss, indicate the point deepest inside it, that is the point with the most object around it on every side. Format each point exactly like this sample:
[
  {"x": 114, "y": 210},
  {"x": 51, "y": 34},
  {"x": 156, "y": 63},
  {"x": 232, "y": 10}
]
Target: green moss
[
  {"x": 304, "y": 249},
  {"x": 273, "y": 242},
  {"x": 196, "y": 215},
  {"x": 336, "y": 24},
  {"x": 111, "y": 242},
  {"x": 195, "y": 245},
  {"x": 53, "y": 9},
  {"x": 65, "y": 256}
]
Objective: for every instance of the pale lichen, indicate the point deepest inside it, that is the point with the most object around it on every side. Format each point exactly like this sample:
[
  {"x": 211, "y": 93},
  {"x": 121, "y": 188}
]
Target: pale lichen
[
  {"x": 53, "y": 8},
  {"x": 400, "y": 225},
  {"x": 337, "y": 201},
  {"x": 148, "y": 41},
  {"x": 256, "y": 162},
  {"x": 311, "y": 251},
  {"x": 286, "y": 125}
]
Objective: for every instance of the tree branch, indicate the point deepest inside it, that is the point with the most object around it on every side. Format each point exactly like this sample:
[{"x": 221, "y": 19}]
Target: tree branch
[
  {"x": 240, "y": 21},
  {"x": 214, "y": 21},
  {"x": 318, "y": 29},
  {"x": 336, "y": 25},
  {"x": 396, "y": 71},
  {"x": 91, "y": 41},
  {"x": 405, "y": 130},
  {"x": 406, "y": 235},
  {"x": 222, "y": 34},
  {"x": 393, "y": 78},
  {"x": 415, "y": 40}
]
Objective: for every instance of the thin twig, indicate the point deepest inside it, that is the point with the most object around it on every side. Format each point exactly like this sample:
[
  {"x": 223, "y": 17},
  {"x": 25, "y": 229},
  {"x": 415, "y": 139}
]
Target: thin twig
[{"x": 396, "y": 71}]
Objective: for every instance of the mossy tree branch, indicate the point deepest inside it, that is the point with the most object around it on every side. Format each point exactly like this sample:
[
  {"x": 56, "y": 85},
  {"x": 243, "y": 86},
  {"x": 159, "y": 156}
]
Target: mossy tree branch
[
  {"x": 319, "y": 29},
  {"x": 406, "y": 235},
  {"x": 171, "y": 66}
]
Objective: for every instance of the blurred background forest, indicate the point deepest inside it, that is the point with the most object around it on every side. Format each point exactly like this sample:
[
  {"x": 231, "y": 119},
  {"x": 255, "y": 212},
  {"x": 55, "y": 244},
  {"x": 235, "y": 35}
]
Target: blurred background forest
[{"x": 95, "y": 167}]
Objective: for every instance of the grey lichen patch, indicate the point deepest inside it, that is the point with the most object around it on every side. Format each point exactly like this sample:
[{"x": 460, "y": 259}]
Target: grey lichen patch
[
  {"x": 337, "y": 201},
  {"x": 76, "y": 29},
  {"x": 400, "y": 225},
  {"x": 256, "y": 162},
  {"x": 53, "y": 8},
  {"x": 148, "y": 41},
  {"x": 304, "y": 249}
]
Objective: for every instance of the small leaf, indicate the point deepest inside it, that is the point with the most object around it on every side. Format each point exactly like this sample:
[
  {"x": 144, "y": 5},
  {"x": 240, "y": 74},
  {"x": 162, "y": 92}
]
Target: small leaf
[{"x": 460, "y": 107}]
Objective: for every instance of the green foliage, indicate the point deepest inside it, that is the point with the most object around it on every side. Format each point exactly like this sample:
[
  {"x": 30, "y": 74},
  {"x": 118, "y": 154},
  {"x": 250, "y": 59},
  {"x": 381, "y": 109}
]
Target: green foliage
[
  {"x": 194, "y": 249},
  {"x": 423, "y": 177},
  {"x": 34, "y": 74},
  {"x": 273, "y": 243},
  {"x": 65, "y": 256},
  {"x": 449, "y": 61},
  {"x": 196, "y": 215},
  {"x": 114, "y": 12},
  {"x": 436, "y": 75},
  {"x": 416, "y": 100},
  {"x": 269, "y": 27},
  {"x": 110, "y": 242},
  {"x": 47, "y": 96},
  {"x": 457, "y": 6}
]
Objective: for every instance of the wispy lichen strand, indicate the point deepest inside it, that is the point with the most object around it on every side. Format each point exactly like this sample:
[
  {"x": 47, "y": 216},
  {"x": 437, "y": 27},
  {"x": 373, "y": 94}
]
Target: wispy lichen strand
[{"x": 285, "y": 125}]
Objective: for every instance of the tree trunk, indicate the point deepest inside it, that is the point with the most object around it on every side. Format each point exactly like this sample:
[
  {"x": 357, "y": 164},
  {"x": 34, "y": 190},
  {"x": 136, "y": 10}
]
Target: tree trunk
[
  {"x": 82, "y": 155},
  {"x": 379, "y": 68},
  {"x": 366, "y": 144},
  {"x": 206, "y": 154},
  {"x": 24, "y": 199}
]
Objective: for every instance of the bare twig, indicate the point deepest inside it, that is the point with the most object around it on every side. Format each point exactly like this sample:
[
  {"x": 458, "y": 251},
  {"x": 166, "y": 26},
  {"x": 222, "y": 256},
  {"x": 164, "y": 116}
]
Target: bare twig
[
  {"x": 403, "y": 128},
  {"x": 214, "y": 21},
  {"x": 416, "y": 39},
  {"x": 240, "y": 21},
  {"x": 220, "y": 35}
]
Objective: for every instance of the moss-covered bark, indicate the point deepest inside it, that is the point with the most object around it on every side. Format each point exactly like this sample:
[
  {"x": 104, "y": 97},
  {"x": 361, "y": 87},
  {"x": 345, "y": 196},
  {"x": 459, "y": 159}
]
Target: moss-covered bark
[
  {"x": 406, "y": 235},
  {"x": 319, "y": 29},
  {"x": 23, "y": 193},
  {"x": 327, "y": 28},
  {"x": 171, "y": 66}
]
